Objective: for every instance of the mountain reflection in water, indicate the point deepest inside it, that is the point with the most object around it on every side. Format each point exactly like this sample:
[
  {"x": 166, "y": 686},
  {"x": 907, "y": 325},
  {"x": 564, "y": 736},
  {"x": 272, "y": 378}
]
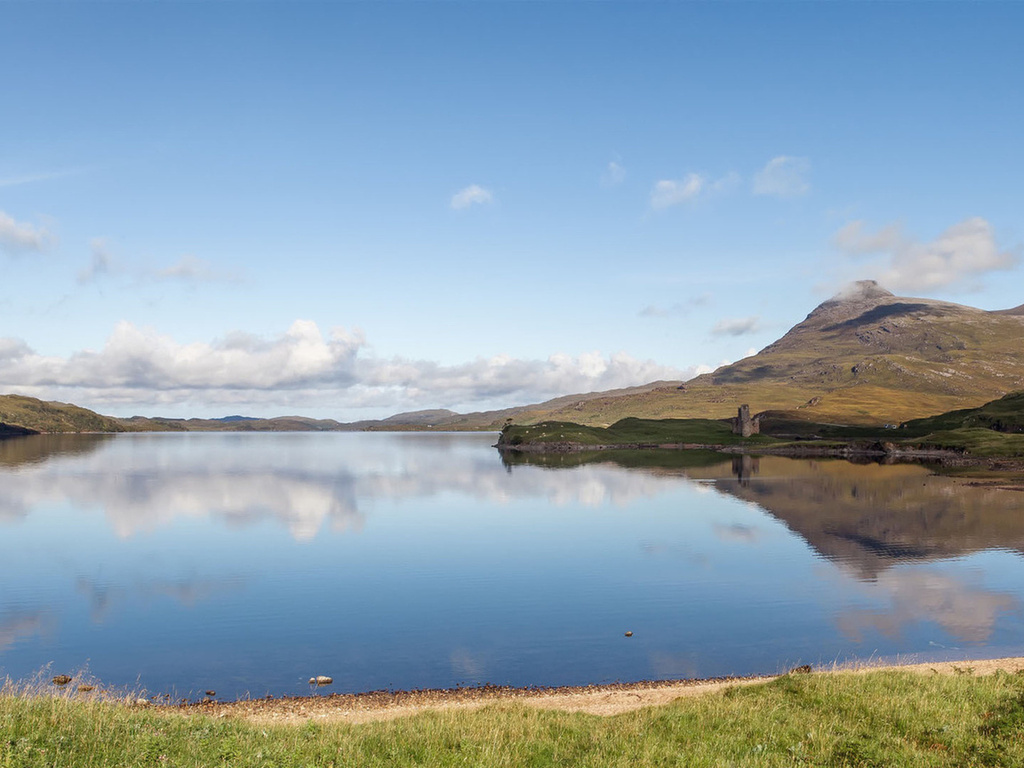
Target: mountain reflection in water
[
  {"x": 237, "y": 562},
  {"x": 867, "y": 516}
]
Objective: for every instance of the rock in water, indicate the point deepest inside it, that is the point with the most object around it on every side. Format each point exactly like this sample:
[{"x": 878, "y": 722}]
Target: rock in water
[
  {"x": 629, "y": 633},
  {"x": 321, "y": 680},
  {"x": 61, "y": 680}
]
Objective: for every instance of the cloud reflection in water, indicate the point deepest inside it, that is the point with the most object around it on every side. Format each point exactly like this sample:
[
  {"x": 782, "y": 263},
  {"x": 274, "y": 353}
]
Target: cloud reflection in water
[{"x": 233, "y": 479}]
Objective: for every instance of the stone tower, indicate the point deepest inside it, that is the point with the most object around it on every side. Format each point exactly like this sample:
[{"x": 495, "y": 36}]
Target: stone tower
[{"x": 745, "y": 425}]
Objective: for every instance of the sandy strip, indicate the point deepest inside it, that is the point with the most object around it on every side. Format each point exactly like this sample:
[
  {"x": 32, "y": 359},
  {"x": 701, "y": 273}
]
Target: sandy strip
[{"x": 596, "y": 700}]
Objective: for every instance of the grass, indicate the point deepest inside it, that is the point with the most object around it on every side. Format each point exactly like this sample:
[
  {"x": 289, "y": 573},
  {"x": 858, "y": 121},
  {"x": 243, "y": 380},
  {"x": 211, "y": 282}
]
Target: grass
[
  {"x": 978, "y": 442},
  {"x": 1003, "y": 415},
  {"x": 877, "y": 719}
]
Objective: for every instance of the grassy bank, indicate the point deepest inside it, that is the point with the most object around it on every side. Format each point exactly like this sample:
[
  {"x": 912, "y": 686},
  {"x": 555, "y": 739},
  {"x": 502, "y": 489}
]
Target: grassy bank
[{"x": 876, "y": 719}]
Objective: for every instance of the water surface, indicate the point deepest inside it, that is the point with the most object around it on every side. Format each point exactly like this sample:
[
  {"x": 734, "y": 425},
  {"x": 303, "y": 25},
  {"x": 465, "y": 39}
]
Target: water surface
[{"x": 247, "y": 563}]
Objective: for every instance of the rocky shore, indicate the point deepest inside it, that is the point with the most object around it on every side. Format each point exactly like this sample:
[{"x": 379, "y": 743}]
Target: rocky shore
[{"x": 610, "y": 699}]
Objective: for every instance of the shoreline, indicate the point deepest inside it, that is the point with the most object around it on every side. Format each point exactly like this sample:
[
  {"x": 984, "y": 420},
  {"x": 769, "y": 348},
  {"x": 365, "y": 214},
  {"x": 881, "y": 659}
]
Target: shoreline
[
  {"x": 603, "y": 700},
  {"x": 946, "y": 458}
]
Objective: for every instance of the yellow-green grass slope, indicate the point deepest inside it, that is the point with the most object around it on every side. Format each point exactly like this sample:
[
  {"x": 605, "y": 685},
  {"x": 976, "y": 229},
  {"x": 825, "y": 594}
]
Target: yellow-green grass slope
[{"x": 877, "y": 719}]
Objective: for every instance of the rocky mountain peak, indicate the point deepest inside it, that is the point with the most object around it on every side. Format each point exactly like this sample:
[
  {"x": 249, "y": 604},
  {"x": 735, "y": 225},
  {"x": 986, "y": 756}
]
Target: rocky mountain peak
[{"x": 852, "y": 300}]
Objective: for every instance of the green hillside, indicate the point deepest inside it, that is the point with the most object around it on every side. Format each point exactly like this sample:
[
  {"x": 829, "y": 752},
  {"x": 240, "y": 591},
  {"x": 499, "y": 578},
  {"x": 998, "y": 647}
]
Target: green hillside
[{"x": 1003, "y": 415}]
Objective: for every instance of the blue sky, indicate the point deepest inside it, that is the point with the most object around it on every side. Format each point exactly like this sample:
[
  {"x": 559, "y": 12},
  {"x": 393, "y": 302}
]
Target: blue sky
[{"x": 353, "y": 209}]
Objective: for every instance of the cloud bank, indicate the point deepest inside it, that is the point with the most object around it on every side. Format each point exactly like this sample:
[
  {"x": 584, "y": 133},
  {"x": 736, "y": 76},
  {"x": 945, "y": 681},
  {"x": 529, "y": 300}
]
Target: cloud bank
[
  {"x": 964, "y": 252},
  {"x": 302, "y": 368}
]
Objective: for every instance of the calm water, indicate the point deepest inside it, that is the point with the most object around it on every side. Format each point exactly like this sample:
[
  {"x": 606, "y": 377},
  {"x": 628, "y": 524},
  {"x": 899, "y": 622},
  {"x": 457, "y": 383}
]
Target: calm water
[{"x": 248, "y": 563}]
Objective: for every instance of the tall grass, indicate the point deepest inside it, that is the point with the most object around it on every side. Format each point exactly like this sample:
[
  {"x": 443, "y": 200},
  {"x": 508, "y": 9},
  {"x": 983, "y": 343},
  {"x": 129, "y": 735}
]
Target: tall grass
[{"x": 877, "y": 719}]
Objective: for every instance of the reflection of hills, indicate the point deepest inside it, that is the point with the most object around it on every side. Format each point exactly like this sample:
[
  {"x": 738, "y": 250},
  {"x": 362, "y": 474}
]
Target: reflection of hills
[
  {"x": 872, "y": 516},
  {"x": 34, "y": 449},
  {"x": 867, "y": 516}
]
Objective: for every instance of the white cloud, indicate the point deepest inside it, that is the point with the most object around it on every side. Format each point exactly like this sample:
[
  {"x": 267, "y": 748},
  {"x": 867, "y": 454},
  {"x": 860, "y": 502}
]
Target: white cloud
[
  {"x": 474, "y": 194},
  {"x": 669, "y": 192},
  {"x": 191, "y": 269},
  {"x": 966, "y": 250},
  {"x": 502, "y": 377},
  {"x": 141, "y": 359},
  {"x": 301, "y": 368},
  {"x": 102, "y": 262},
  {"x": 679, "y": 309},
  {"x": 19, "y": 236},
  {"x": 613, "y": 175},
  {"x": 738, "y": 326},
  {"x": 783, "y": 176}
]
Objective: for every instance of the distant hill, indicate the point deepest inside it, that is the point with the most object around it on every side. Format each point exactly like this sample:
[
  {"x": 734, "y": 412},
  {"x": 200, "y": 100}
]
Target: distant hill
[
  {"x": 27, "y": 414},
  {"x": 231, "y": 424}
]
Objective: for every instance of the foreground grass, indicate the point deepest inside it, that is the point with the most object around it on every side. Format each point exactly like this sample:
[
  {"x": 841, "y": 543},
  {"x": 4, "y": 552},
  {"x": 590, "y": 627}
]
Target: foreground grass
[{"x": 878, "y": 719}]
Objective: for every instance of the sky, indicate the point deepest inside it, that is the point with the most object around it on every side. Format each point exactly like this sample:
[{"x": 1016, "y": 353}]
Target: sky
[{"x": 352, "y": 209}]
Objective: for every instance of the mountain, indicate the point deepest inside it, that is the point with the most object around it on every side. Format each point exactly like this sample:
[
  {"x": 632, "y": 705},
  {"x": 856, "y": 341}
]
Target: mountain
[{"x": 864, "y": 356}]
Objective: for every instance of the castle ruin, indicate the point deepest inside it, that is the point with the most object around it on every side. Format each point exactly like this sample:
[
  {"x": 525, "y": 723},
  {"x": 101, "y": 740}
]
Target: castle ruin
[{"x": 744, "y": 424}]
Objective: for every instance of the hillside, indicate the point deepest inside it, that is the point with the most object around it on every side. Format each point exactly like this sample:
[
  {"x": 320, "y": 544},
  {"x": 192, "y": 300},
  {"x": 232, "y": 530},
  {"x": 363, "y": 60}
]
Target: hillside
[
  {"x": 19, "y": 414},
  {"x": 1003, "y": 415}
]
